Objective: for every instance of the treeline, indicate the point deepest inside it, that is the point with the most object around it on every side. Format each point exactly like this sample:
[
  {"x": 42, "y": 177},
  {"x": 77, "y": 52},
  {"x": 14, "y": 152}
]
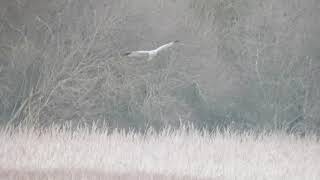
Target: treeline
[{"x": 241, "y": 64}]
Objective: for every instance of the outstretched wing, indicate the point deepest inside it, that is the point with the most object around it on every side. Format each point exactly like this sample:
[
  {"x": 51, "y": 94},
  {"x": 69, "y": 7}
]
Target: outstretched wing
[
  {"x": 136, "y": 53},
  {"x": 165, "y": 46}
]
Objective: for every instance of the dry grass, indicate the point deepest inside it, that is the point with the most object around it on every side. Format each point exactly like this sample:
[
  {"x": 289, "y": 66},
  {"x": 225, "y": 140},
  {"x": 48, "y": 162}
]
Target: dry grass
[
  {"x": 82, "y": 174},
  {"x": 169, "y": 155}
]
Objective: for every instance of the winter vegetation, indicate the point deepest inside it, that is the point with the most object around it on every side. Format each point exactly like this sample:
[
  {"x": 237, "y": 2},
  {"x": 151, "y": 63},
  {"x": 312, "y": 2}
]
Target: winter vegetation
[
  {"x": 171, "y": 154},
  {"x": 245, "y": 76}
]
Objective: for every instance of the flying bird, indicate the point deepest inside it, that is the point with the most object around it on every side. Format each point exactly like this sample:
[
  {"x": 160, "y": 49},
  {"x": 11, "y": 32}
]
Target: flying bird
[{"x": 151, "y": 53}]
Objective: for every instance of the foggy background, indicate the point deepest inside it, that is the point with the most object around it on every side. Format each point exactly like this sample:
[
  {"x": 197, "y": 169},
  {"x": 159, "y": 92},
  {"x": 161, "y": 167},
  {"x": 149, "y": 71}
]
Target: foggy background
[{"x": 245, "y": 64}]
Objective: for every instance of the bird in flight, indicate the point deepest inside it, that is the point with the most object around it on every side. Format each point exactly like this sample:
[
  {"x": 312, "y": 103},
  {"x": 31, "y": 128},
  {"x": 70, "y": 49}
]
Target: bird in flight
[{"x": 151, "y": 53}]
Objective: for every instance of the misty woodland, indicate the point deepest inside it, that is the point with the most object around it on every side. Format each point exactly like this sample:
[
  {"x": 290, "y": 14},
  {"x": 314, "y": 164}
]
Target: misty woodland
[{"x": 159, "y": 89}]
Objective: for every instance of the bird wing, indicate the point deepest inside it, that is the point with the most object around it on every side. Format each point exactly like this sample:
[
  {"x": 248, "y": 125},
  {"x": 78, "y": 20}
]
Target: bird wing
[
  {"x": 137, "y": 53},
  {"x": 165, "y": 46}
]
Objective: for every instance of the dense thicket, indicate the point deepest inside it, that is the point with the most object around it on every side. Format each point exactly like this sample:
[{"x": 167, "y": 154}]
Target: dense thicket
[{"x": 246, "y": 64}]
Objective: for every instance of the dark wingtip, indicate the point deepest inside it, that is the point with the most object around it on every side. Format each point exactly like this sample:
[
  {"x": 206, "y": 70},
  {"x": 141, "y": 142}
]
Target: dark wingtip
[
  {"x": 126, "y": 53},
  {"x": 176, "y": 41}
]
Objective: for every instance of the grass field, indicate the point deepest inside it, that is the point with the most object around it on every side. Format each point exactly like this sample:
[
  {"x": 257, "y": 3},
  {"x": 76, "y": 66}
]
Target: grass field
[{"x": 171, "y": 154}]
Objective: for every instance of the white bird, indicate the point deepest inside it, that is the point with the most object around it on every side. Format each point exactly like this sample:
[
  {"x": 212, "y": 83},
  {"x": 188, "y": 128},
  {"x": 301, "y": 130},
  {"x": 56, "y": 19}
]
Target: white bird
[{"x": 151, "y": 53}]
